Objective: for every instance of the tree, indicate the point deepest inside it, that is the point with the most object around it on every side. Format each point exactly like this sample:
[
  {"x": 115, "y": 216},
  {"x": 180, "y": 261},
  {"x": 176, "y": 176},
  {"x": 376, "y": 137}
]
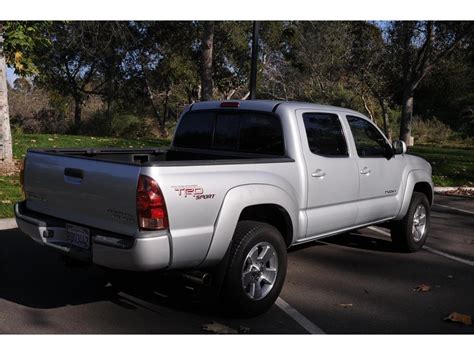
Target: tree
[
  {"x": 417, "y": 47},
  {"x": 17, "y": 43},
  {"x": 207, "y": 44},
  {"x": 369, "y": 63},
  {"x": 77, "y": 64},
  {"x": 6, "y": 155}
]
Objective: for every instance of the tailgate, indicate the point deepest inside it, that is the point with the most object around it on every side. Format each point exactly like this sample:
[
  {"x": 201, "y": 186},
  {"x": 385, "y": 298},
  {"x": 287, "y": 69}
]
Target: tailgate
[{"x": 84, "y": 191}]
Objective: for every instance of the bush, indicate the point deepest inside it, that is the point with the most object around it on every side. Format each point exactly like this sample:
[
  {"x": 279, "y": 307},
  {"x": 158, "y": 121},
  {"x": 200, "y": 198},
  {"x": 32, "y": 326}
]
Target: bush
[
  {"x": 119, "y": 125},
  {"x": 430, "y": 131},
  {"x": 30, "y": 125},
  {"x": 125, "y": 126},
  {"x": 43, "y": 121}
]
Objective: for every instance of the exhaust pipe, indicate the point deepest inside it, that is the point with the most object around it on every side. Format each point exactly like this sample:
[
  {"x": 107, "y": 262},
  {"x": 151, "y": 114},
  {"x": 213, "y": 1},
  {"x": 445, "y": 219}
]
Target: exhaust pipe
[{"x": 198, "y": 277}]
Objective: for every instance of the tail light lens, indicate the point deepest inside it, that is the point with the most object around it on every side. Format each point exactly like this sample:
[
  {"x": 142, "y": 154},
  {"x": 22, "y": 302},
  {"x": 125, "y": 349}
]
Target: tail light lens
[{"x": 151, "y": 208}]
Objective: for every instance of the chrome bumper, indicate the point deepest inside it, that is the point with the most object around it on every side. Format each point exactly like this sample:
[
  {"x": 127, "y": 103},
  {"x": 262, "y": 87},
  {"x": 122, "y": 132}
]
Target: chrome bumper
[{"x": 145, "y": 251}]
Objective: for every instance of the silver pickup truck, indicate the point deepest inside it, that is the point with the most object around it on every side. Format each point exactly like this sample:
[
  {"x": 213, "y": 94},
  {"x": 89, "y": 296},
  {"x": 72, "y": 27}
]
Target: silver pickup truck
[{"x": 241, "y": 183}]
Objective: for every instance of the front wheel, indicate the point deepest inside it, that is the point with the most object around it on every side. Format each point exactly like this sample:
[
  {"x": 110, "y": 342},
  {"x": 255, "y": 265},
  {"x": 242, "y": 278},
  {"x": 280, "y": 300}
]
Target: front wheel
[
  {"x": 256, "y": 269},
  {"x": 410, "y": 233}
]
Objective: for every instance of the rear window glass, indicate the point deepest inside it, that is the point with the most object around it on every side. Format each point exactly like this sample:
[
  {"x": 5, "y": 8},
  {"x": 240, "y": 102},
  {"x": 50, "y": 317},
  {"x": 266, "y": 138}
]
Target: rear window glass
[
  {"x": 195, "y": 130},
  {"x": 249, "y": 132},
  {"x": 226, "y": 135}
]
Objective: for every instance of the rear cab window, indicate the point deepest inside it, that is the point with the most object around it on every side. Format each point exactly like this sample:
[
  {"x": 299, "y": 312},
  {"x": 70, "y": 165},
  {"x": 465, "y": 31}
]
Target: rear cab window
[{"x": 245, "y": 131}]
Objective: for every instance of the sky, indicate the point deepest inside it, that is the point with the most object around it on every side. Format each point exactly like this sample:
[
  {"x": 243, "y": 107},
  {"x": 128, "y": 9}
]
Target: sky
[{"x": 11, "y": 76}]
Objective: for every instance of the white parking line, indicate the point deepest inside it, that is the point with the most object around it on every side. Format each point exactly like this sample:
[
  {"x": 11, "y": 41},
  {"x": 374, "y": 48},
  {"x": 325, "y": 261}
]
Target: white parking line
[
  {"x": 430, "y": 249},
  {"x": 381, "y": 231},
  {"x": 454, "y": 208},
  {"x": 449, "y": 256},
  {"x": 310, "y": 327}
]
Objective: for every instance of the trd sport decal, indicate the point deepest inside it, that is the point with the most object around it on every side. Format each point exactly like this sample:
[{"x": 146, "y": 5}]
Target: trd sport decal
[{"x": 193, "y": 191}]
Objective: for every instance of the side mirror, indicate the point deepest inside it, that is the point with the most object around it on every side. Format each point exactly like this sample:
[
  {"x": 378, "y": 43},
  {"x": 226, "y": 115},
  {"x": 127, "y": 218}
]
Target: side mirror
[{"x": 399, "y": 147}]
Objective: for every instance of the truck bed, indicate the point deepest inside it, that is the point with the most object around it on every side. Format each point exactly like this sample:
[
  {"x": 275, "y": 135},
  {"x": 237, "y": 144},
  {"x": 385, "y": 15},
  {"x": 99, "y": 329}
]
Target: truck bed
[{"x": 157, "y": 157}]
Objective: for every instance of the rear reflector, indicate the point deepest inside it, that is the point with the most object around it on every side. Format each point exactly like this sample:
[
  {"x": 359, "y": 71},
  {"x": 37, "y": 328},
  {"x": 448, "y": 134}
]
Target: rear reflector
[
  {"x": 151, "y": 208},
  {"x": 230, "y": 104}
]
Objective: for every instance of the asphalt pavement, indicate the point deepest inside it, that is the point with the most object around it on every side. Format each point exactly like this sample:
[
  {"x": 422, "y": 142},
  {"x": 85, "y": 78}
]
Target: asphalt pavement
[{"x": 350, "y": 283}]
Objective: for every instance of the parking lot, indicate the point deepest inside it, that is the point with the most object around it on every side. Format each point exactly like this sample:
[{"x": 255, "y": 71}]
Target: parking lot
[{"x": 350, "y": 283}]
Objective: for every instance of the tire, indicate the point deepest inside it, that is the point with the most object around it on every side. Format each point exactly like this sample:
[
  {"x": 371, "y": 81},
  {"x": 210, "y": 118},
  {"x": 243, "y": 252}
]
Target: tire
[
  {"x": 407, "y": 235},
  {"x": 257, "y": 257}
]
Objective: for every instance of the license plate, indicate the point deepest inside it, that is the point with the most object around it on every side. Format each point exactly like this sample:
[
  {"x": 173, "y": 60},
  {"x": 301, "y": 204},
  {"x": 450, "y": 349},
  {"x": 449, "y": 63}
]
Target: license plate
[{"x": 78, "y": 236}]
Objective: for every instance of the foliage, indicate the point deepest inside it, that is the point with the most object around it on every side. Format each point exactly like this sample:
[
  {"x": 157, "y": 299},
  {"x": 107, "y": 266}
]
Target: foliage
[
  {"x": 151, "y": 69},
  {"x": 431, "y": 131},
  {"x": 22, "y": 40},
  {"x": 119, "y": 125}
]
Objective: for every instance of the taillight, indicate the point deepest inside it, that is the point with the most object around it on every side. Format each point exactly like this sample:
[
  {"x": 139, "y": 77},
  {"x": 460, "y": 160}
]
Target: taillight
[
  {"x": 234, "y": 104},
  {"x": 151, "y": 208}
]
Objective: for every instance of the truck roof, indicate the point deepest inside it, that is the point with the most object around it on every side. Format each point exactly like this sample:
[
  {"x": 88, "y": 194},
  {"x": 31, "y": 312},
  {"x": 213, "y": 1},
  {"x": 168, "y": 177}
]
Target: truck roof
[{"x": 268, "y": 105}]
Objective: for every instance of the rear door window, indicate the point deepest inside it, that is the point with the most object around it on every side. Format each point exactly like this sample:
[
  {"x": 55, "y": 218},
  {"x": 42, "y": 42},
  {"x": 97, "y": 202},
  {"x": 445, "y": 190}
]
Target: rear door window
[
  {"x": 260, "y": 133},
  {"x": 325, "y": 134}
]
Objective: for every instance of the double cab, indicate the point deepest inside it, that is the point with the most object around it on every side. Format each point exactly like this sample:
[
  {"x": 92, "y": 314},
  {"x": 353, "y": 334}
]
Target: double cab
[{"x": 241, "y": 183}]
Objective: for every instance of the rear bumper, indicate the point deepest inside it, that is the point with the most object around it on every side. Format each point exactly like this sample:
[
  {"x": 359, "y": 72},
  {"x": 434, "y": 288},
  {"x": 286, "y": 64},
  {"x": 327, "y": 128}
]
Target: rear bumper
[{"x": 143, "y": 252}]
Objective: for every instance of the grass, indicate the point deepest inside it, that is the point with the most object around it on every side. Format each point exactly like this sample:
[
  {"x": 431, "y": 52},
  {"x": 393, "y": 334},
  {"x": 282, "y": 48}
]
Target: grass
[
  {"x": 21, "y": 142},
  {"x": 10, "y": 192},
  {"x": 451, "y": 166}
]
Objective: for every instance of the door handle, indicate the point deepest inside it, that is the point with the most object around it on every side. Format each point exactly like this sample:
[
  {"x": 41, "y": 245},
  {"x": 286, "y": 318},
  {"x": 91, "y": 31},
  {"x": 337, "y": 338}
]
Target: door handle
[
  {"x": 365, "y": 171},
  {"x": 73, "y": 176},
  {"x": 318, "y": 174}
]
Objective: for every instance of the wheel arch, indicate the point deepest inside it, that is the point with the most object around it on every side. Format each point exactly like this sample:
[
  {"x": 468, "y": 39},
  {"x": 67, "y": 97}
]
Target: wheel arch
[
  {"x": 417, "y": 180},
  {"x": 259, "y": 202},
  {"x": 272, "y": 214}
]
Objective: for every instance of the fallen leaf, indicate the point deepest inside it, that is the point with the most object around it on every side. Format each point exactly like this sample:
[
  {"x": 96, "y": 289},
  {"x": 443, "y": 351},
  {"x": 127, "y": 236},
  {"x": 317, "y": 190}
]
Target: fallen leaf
[
  {"x": 459, "y": 318},
  {"x": 219, "y": 328},
  {"x": 6, "y": 202},
  {"x": 50, "y": 139},
  {"x": 345, "y": 305},
  {"x": 422, "y": 288},
  {"x": 33, "y": 140},
  {"x": 244, "y": 330}
]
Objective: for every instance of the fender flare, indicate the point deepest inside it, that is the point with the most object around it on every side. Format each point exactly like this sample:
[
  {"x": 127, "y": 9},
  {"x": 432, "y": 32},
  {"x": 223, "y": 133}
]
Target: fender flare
[
  {"x": 234, "y": 203},
  {"x": 413, "y": 177}
]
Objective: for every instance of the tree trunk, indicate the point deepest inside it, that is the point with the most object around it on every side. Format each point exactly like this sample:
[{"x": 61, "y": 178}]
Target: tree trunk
[
  {"x": 407, "y": 116},
  {"x": 206, "y": 61},
  {"x": 163, "y": 131},
  {"x": 6, "y": 156},
  {"x": 77, "y": 111},
  {"x": 386, "y": 126}
]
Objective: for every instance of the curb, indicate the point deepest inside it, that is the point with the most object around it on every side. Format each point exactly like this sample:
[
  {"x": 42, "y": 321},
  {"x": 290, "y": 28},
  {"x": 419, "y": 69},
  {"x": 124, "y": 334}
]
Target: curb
[
  {"x": 452, "y": 188},
  {"x": 7, "y": 223},
  {"x": 445, "y": 191}
]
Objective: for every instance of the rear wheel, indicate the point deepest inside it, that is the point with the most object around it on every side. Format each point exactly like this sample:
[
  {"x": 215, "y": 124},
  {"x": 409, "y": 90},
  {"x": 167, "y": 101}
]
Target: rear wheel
[
  {"x": 410, "y": 233},
  {"x": 256, "y": 269}
]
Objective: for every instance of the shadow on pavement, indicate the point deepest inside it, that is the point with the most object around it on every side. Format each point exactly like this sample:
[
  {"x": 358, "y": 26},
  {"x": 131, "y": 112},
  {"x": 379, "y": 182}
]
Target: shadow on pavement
[
  {"x": 36, "y": 277},
  {"x": 361, "y": 241}
]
